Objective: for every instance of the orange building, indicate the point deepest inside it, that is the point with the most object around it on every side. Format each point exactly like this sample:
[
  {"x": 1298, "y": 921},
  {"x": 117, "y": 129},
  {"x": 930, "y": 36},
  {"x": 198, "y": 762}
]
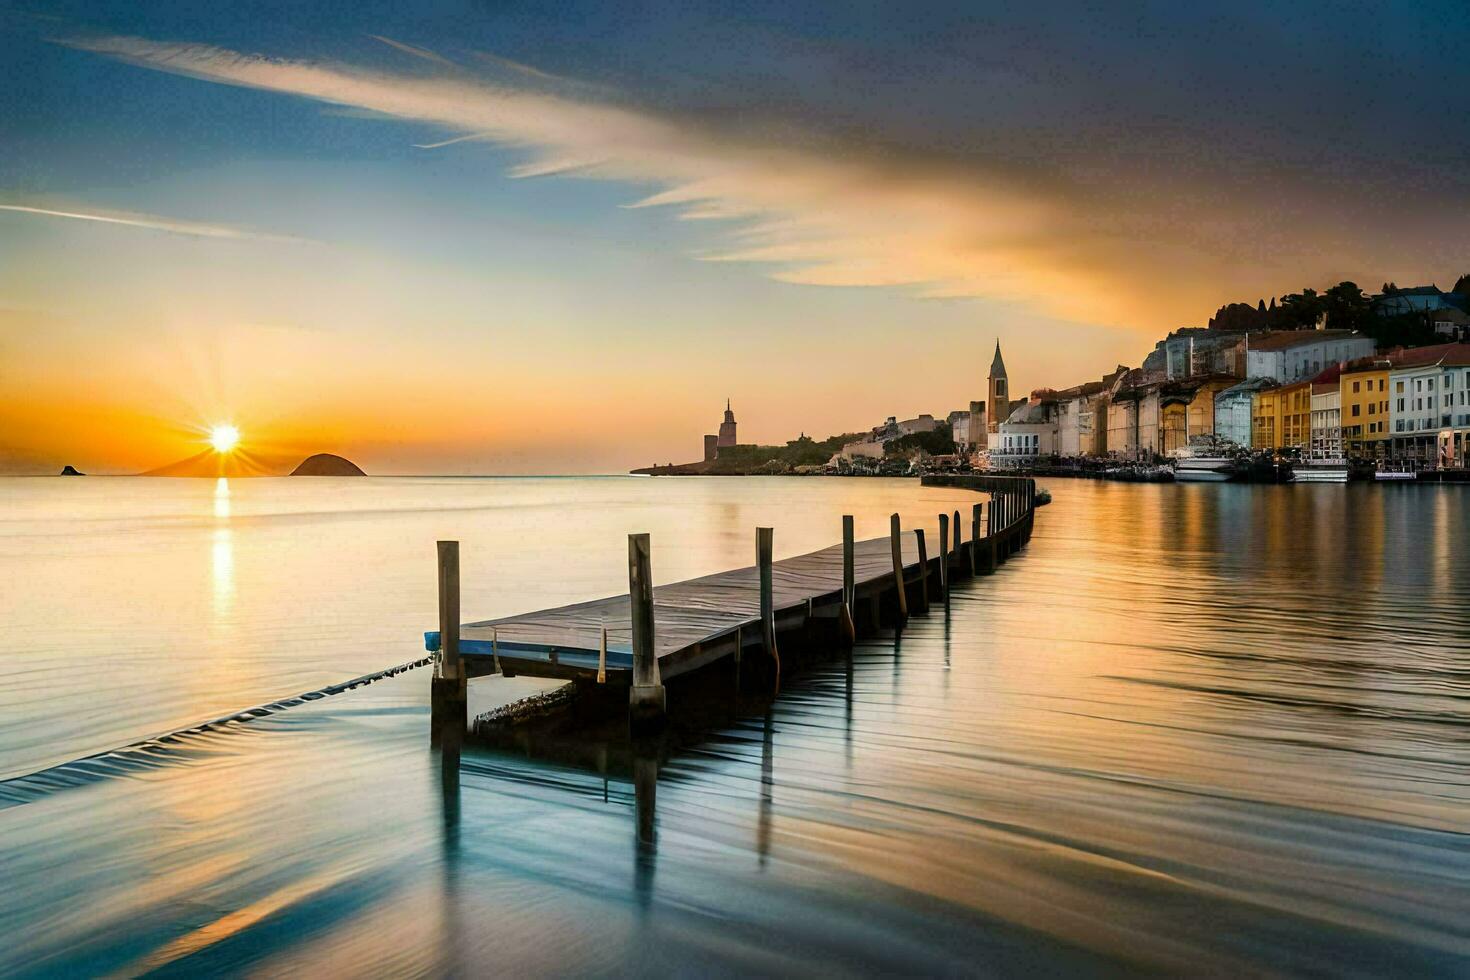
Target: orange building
[
  {"x": 1281, "y": 418},
  {"x": 1365, "y": 409}
]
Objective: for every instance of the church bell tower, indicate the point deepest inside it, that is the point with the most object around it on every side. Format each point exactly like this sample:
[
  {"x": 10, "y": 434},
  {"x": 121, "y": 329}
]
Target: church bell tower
[{"x": 999, "y": 402}]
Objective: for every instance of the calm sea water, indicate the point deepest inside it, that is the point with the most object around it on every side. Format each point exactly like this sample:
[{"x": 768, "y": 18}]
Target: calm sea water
[{"x": 1191, "y": 728}]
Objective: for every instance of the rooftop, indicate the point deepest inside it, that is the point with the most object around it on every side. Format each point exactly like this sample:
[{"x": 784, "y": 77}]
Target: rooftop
[{"x": 1286, "y": 339}]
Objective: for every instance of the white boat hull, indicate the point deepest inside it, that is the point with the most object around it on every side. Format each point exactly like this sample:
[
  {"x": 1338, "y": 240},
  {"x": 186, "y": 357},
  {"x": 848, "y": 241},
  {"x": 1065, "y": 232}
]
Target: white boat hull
[{"x": 1201, "y": 476}]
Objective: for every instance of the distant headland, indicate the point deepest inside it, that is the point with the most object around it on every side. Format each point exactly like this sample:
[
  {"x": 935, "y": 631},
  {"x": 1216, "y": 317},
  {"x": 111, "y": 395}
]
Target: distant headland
[{"x": 326, "y": 464}]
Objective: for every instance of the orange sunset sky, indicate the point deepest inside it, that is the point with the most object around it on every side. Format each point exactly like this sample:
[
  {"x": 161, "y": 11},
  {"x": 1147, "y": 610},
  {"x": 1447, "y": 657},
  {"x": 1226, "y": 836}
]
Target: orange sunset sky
[{"x": 442, "y": 243}]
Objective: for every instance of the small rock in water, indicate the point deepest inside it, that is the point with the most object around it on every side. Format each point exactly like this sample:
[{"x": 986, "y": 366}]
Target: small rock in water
[{"x": 69, "y": 470}]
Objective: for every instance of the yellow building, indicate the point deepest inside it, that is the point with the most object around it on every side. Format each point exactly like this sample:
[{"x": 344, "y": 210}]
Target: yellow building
[
  {"x": 1365, "y": 410},
  {"x": 1281, "y": 418},
  {"x": 1187, "y": 409}
]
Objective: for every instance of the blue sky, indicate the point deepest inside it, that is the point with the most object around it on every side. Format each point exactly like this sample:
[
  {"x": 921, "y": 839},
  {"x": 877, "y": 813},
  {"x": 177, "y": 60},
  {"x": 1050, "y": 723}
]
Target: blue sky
[{"x": 842, "y": 209}]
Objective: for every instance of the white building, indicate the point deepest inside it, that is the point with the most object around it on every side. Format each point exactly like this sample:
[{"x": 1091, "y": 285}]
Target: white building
[
  {"x": 1428, "y": 400},
  {"x": 1326, "y": 438},
  {"x": 869, "y": 449},
  {"x": 1029, "y": 433},
  {"x": 968, "y": 428},
  {"x": 1294, "y": 355}
]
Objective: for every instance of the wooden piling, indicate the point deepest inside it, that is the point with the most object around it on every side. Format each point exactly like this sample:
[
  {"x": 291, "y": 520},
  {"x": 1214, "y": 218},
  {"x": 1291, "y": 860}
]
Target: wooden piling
[
  {"x": 944, "y": 558},
  {"x": 975, "y": 540},
  {"x": 849, "y": 580},
  {"x": 764, "y": 546},
  {"x": 447, "y": 688},
  {"x": 957, "y": 554},
  {"x": 923, "y": 571},
  {"x": 449, "y": 608},
  {"x": 895, "y": 536},
  {"x": 646, "y": 700}
]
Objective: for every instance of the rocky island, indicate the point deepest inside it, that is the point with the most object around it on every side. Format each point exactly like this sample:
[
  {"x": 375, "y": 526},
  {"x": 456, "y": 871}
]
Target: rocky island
[{"x": 326, "y": 464}]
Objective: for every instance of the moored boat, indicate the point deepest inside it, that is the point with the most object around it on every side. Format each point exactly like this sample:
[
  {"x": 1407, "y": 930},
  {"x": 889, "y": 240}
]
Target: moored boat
[
  {"x": 1320, "y": 471},
  {"x": 1206, "y": 461},
  {"x": 1394, "y": 471}
]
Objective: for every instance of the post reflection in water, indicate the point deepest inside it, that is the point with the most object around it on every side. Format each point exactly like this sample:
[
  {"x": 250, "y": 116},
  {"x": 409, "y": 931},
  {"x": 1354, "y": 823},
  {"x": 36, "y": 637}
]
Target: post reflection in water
[
  {"x": 645, "y": 806},
  {"x": 448, "y": 747}
]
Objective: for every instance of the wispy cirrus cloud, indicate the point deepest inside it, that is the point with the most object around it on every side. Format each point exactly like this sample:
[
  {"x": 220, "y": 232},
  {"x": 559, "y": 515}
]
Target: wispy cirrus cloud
[
  {"x": 153, "y": 222},
  {"x": 810, "y": 207}
]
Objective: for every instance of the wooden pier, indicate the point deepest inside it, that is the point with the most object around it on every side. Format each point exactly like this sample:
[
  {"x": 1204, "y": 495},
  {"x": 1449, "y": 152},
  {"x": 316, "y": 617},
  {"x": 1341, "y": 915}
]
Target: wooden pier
[{"x": 652, "y": 634}]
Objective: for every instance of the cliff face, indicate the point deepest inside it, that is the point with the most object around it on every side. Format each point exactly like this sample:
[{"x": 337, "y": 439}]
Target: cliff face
[{"x": 325, "y": 464}]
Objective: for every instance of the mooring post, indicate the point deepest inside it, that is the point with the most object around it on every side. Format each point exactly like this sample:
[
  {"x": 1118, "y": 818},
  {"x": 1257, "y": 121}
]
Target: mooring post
[
  {"x": 957, "y": 556},
  {"x": 646, "y": 700},
  {"x": 849, "y": 580},
  {"x": 944, "y": 558},
  {"x": 923, "y": 571},
  {"x": 992, "y": 552},
  {"x": 764, "y": 546},
  {"x": 895, "y": 537},
  {"x": 975, "y": 540},
  {"x": 447, "y": 688}
]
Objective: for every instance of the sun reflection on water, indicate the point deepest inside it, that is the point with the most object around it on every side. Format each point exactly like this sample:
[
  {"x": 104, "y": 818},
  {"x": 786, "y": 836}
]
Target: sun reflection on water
[{"x": 223, "y": 552}]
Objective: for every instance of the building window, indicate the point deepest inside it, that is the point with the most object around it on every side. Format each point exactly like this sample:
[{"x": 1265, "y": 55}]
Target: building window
[{"x": 1399, "y": 387}]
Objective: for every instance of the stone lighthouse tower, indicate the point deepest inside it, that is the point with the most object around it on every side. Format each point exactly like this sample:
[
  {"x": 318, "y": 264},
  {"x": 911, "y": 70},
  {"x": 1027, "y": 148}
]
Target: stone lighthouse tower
[
  {"x": 999, "y": 403},
  {"x": 727, "y": 428}
]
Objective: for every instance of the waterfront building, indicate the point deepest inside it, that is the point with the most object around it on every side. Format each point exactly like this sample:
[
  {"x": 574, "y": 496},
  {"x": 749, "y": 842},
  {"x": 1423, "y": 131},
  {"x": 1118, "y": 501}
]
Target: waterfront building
[
  {"x": 998, "y": 397},
  {"x": 862, "y": 449},
  {"x": 1082, "y": 420},
  {"x": 1029, "y": 432},
  {"x": 968, "y": 428},
  {"x": 1325, "y": 438},
  {"x": 1363, "y": 399},
  {"x": 1233, "y": 409},
  {"x": 1429, "y": 402},
  {"x": 1191, "y": 352},
  {"x": 1281, "y": 418},
  {"x": 1199, "y": 405},
  {"x": 1297, "y": 355},
  {"x": 1133, "y": 416}
]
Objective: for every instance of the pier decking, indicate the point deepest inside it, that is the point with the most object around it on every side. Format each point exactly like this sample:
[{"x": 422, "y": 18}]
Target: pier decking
[{"x": 701, "y": 620}]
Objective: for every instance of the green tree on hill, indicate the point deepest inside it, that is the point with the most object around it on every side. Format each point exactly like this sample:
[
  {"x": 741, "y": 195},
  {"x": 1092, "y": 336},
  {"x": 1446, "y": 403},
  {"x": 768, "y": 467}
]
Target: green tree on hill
[{"x": 938, "y": 442}]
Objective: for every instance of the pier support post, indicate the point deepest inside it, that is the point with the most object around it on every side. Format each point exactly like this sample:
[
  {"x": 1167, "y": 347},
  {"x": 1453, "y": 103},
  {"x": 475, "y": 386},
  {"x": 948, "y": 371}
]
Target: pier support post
[
  {"x": 957, "y": 556},
  {"x": 895, "y": 537},
  {"x": 975, "y": 540},
  {"x": 992, "y": 555},
  {"x": 646, "y": 702},
  {"x": 764, "y": 546},
  {"x": 447, "y": 694},
  {"x": 944, "y": 558},
  {"x": 919, "y": 539},
  {"x": 849, "y": 580}
]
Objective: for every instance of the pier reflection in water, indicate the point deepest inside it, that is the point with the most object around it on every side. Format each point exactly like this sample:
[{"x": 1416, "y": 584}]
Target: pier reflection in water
[{"x": 1186, "y": 729}]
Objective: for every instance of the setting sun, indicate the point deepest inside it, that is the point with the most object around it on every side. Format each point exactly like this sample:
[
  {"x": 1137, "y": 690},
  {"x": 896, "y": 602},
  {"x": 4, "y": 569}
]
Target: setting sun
[{"x": 224, "y": 438}]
